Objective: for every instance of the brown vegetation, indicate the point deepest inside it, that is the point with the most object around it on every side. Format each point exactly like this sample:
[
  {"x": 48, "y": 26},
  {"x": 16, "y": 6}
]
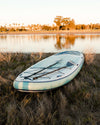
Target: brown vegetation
[
  {"x": 89, "y": 56},
  {"x": 62, "y": 23},
  {"x": 76, "y": 103}
]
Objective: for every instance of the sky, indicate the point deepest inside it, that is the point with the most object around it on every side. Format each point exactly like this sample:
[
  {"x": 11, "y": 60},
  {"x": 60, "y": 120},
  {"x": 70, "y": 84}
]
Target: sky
[{"x": 44, "y": 11}]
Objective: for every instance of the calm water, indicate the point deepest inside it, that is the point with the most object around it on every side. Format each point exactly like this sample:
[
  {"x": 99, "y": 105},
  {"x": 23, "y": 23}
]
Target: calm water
[{"x": 49, "y": 43}]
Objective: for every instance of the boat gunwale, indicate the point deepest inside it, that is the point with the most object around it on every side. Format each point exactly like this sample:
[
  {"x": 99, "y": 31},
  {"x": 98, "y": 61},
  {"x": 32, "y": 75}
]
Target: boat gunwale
[{"x": 35, "y": 82}]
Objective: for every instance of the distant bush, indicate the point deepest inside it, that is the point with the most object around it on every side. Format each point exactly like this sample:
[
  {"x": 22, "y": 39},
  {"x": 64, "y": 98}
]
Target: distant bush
[
  {"x": 3, "y": 29},
  {"x": 12, "y": 29}
]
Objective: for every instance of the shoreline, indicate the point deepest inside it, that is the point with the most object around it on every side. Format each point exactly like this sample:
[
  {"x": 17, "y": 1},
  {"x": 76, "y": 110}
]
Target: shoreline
[{"x": 68, "y": 32}]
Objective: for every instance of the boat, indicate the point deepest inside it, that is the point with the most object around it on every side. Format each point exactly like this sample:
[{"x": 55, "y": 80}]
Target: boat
[{"x": 51, "y": 72}]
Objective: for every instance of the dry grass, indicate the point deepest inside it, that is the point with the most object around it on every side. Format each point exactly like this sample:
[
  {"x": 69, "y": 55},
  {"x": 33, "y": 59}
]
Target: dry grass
[
  {"x": 77, "y": 103},
  {"x": 89, "y": 56}
]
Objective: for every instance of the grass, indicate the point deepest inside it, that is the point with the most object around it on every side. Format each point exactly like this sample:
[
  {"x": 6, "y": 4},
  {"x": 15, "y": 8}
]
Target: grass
[{"x": 76, "y": 103}]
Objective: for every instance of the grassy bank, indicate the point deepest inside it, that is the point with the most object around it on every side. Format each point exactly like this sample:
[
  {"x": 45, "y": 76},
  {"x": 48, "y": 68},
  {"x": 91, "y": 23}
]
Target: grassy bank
[
  {"x": 76, "y": 103},
  {"x": 53, "y": 32}
]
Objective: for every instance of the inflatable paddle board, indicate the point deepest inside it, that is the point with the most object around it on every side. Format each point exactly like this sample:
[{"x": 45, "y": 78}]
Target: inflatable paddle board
[{"x": 51, "y": 72}]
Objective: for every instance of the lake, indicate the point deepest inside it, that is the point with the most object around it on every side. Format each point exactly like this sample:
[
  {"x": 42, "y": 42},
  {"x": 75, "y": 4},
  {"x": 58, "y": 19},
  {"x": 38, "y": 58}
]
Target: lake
[{"x": 49, "y": 43}]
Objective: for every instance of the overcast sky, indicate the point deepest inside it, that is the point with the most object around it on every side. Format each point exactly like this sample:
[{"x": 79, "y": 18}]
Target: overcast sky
[{"x": 44, "y": 11}]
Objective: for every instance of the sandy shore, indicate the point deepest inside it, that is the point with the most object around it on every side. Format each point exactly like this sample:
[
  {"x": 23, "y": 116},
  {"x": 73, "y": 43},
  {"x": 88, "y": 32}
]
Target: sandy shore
[{"x": 68, "y": 32}]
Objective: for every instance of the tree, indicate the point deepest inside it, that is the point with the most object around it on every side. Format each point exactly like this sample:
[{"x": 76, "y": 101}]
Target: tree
[
  {"x": 78, "y": 26},
  {"x": 45, "y": 27},
  {"x": 12, "y": 29},
  {"x": 9, "y": 25},
  {"x": 3, "y": 29},
  {"x": 83, "y": 26},
  {"x": 14, "y": 24},
  {"x": 72, "y": 24},
  {"x": 66, "y": 22},
  {"x": 91, "y": 26},
  {"x": 58, "y": 21}
]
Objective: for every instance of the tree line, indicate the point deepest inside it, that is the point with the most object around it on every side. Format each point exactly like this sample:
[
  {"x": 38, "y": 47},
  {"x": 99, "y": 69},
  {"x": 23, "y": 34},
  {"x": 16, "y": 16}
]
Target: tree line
[{"x": 61, "y": 23}]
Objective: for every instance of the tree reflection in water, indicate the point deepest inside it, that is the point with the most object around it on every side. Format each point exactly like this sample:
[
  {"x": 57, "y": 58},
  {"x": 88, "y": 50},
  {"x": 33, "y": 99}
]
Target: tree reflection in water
[{"x": 65, "y": 41}]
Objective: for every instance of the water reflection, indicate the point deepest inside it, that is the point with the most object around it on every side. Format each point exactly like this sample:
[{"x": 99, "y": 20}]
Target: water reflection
[
  {"x": 65, "y": 41},
  {"x": 48, "y": 42},
  {"x": 3, "y": 36}
]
